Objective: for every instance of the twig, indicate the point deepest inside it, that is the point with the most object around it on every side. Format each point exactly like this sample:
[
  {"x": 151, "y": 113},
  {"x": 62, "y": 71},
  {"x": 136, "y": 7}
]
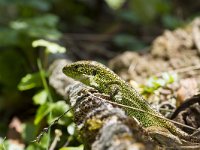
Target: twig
[
  {"x": 45, "y": 130},
  {"x": 186, "y": 147},
  {"x": 58, "y": 133},
  {"x": 67, "y": 142},
  {"x": 153, "y": 115}
]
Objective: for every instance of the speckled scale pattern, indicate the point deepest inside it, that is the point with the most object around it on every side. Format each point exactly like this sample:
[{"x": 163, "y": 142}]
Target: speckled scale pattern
[
  {"x": 89, "y": 103},
  {"x": 102, "y": 78}
]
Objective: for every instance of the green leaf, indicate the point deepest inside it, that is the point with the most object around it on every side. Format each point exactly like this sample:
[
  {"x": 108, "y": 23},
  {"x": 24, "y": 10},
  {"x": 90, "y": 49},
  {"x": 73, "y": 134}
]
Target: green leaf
[
  {"x": 147, "y": 11},
  {"x": 36, "y": 4},
  {"x": 30, "y": 81},
  {"x": 43, "y": 111},
  {"x": 71, "y": 128},
  {"x": 150, "y": 81},
  {"x": 39, "y": 146},
  {"x": 170, "y": 77},
  {"x": 58, "y": 109},
  {"x": 154, "y": 83},
  {"x": 159, "y": 83},
  {"x": 8, "y": 37},
  {"x": 2, "y": 144},
  {"x": 128, "y": 15},
  {"x": 128, "y": 41},
  {"x": 40, "y": 97},
  {"x": 50, "y": 47},
  {"x": 72, "y": 148},
  {"x": 29, "y": 132},
  {"x": 172, "y": 22},
  {"x": 37, "y": 27},
  {"x": 9, "y": 145},
  {"x": 35, "y": 146},
  {"x": 115, "y": 4}
]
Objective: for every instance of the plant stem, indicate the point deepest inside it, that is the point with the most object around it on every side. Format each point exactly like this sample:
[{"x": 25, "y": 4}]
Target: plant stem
[{"x": 44, "y": 82}]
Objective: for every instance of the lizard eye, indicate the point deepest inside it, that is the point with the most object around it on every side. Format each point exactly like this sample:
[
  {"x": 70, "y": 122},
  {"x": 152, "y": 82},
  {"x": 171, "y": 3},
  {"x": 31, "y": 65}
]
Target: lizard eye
[
  {"x": 76, "y": 67},
  {"x": 94, "y": 72}
]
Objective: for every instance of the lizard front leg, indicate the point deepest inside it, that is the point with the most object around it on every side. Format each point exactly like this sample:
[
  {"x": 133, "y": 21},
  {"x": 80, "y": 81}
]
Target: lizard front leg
[{"x": 114, "y": 91}]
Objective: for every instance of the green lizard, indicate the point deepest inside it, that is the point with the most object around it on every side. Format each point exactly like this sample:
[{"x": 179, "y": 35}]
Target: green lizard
[{"x": 106, "y": 81}]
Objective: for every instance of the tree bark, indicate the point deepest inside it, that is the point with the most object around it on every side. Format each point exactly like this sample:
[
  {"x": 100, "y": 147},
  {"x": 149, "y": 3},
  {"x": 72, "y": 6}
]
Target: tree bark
[{"x": 102, "y": 125}]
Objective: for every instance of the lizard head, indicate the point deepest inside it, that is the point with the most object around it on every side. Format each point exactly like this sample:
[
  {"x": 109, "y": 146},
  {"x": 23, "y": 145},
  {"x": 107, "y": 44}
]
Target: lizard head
[{"x": 88, "y": 72}]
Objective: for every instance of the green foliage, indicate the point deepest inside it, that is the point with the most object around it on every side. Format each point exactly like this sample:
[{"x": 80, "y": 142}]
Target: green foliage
[
  {"x": 58, "y": 108},
  {"x": 18, "y": 37},
  {"x": 29, "y": 132},
  {"x": 44, "y": 110},
  {"x": 10, "y": 62},
  {"x": 40, "y": 97},
  {"x": 25, "y": 30},
  {"x": 128, "y": 42},
  {"x": 72, "y": 148},
  {"x": 129, "y": 16},
  {"x": 50, "y": 47},
  {"x": 39, "y": 146},
  {"x": 2, "y": 144},
  {"x": 30, "y": 81},
  {"x": 155, "y": 83},
  {"x": 115, "y": 4},
  {"x": 48, "y": 108},
  {"x": 71, "y": 128},
  {"x": 30, "y": 31},
  {"x": 147, "y": 11},
  {"x": 37, "y": 27},
  {"x": 172, "y": 21}
]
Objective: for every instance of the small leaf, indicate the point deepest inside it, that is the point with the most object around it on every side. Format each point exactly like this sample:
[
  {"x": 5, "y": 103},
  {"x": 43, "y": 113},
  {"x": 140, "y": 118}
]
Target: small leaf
[
  {"x": 150, "y": 81},
  {"x": 43, "y": 110},
  {"x": 115, "y": 4},
  {"x": 159, "y": 83},
  {"x": 35, "y": 146},
  {"x": 2, "y": 144},
  {"x": 40, "y": 97},
  {"x": 50, "y": 47},
  {"x": 155, "y": 83},
  {"x": 40, "y": 146},
  {"x": 170, "y": 77},
  {"x": 71, "y": 128},
  {"x": 72, "y": 148},
  {"x": 58, "y": 109},
  {"x": 30, "y": 81},
  {"x": 29, "y": 132}
]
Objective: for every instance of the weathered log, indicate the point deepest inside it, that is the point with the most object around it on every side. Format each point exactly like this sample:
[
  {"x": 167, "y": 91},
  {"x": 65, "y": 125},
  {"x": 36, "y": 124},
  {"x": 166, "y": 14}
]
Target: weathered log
[{"x": 102, "y": 125}]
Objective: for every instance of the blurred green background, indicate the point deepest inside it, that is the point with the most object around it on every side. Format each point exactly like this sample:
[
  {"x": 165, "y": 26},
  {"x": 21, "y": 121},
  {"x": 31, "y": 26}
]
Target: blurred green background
[{"x": 88, "y": 29}]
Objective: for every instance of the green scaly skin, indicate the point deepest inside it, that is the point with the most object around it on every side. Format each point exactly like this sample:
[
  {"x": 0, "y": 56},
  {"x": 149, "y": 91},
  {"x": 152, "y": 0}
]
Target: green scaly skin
[{"x": 106, "y": 81}]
